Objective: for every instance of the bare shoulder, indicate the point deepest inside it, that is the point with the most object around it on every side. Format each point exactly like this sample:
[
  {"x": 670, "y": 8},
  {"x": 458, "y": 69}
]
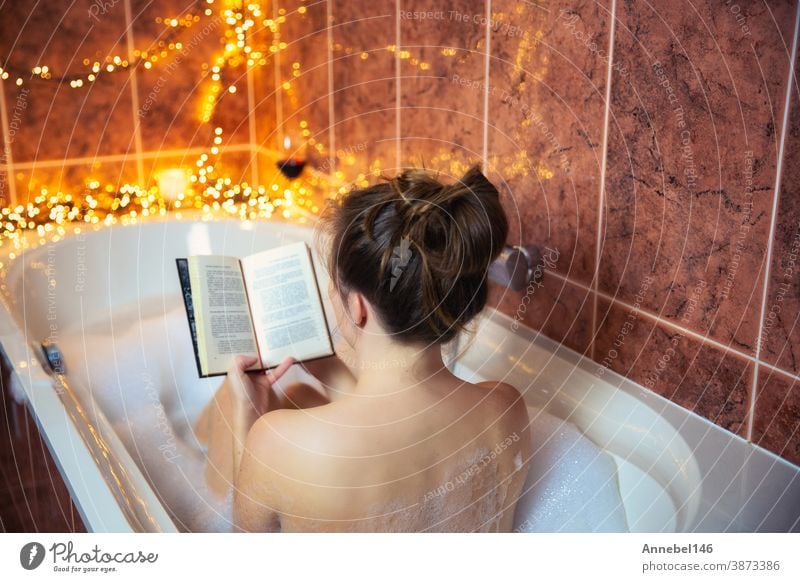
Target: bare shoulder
[
  {"x": 279, "y": 426},
  {"x": 286, "y": 436},
  {"x": 508, "y": 402},
  {"x": 269, "y": 434},
  {"x": 503, "y": 391}
]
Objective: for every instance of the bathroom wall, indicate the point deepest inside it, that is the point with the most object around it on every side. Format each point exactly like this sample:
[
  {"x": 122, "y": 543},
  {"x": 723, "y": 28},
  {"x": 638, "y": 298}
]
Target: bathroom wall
[
  {"x": 33, "y": 498},
  {"x": 648, "y": 149},
  {"x": 131, "y": 121},
  {"x": 124, "y": 127}
]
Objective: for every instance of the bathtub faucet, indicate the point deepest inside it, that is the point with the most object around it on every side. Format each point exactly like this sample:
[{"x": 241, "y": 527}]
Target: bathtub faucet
[
  {"x": 516, "y": 266},
  {"x": 51, "y": 358}
]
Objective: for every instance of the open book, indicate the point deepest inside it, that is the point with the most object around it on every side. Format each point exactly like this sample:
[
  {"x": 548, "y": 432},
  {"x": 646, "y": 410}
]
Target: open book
[{"x": 266, "y": 305}]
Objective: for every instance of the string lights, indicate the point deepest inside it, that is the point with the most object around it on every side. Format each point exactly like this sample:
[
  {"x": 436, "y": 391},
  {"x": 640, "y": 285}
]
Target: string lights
[
  {"x": 202, "y": 187},
  {"x": 199, "y": 192}
]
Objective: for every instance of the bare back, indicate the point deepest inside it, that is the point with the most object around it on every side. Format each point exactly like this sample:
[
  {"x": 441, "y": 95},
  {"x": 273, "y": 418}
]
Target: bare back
[{"x": 451, "y": 456}]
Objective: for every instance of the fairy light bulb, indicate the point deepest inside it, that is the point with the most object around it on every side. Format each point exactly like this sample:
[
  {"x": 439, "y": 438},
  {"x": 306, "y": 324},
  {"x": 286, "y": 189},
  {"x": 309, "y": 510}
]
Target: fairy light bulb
[
  {"x": 173, "y": 183},
  {"x": 204, "y": 187}
]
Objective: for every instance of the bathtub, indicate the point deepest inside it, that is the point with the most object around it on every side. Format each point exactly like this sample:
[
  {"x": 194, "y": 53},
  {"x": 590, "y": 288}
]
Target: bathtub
[{"x": 676, "y": 471}]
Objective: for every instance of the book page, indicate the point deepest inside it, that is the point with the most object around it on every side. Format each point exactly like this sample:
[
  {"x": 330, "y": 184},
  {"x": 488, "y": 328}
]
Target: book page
[
  {"x": 222, "y": 314},
  {"x": 285, "y": 302}
]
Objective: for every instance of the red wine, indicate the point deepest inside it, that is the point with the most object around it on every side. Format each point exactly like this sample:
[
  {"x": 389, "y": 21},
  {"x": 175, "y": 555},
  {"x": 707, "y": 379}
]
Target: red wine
[{"x": 291, "y": 168}]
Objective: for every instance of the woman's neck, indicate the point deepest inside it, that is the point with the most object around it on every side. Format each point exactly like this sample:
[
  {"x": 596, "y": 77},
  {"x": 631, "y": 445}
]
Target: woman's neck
[{"x": 384, "y": 366}]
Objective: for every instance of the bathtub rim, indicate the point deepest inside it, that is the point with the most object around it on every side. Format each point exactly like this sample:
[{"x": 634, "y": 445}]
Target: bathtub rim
[
  {"x": 34, "y": 377},
  {"x": 90, "y": 488}
]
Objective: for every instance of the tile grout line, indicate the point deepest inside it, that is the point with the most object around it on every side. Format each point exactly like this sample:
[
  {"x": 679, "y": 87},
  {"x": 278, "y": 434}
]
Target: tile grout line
[
  {"x": 602, "y": 193},
  {"x": 397, "y": 91},
  {"x": 110, "y": 158},
  {"x": 137, "y": 129},
  {"x": 674, "y": 326},
  {"x": 772, "y": 225},
  {"x": 331, "y": 108},
  {"x": 488, "y": 47},
  {"x": 9, "y": 158},
  {"x": 251, "y": 122},
  {"x": 777, "y": 370},
  {"x": 278, "y": 88}
]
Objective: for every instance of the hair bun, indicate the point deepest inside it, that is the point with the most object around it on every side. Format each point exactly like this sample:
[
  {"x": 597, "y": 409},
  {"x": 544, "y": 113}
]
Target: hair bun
[
  {"x": 454, "y": 224},
  {"x": 419, "y": 249}
]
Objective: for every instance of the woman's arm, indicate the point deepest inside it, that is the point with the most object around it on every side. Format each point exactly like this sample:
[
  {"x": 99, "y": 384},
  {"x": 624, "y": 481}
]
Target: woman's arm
[
  {"x": 242, "y": 398},
  {"x": 254, "y": 509}
]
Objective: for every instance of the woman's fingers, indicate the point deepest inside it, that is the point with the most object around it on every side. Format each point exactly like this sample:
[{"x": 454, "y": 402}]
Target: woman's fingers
[
  {"x": 275, "y": 374},
  {"x": 239, "y": 364},
  {"x": 243, "y": 362}
]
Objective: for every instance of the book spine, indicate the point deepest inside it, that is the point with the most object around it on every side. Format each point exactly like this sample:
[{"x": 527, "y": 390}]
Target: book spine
[
  {"x": 186, "y": 292},
  {"x": 194, "y": 281}
]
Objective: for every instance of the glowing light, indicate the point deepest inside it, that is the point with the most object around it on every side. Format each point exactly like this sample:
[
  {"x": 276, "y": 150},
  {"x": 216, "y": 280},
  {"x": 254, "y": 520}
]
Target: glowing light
[
  {"x": 173, "y": 183},
  {"x": 201, "y": 186}
]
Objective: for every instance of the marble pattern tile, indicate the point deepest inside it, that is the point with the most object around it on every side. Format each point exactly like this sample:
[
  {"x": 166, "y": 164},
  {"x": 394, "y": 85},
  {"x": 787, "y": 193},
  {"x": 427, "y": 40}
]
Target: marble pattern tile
[
  {"x": 56, "y": 122},
  {"x": 304, "y": 66},
  {"x": 692, "y": 374},
  {"x": 5, "y": 189},
  {"x": 265, "y": 105},
  {"x": 76, "y": 178},
  {"x": 442, "y": 75},
  {"x": 60, "y": 34},
  {"x": 33, "y": 496},
  {"x": 558, "y": 309},
  {"x": 546, "y": 104},
  {"x": 777, "y": 415},
  {"x": 364, "y": 87},
  {"x": 73, "y": 178},
  {"x": 235, "y": 165},
  {"x": 173, "y": 92},
  {"x": 52, "y": 120},
  {"x": 781, "y": 326},
  {"x": 697, "y": 97}
]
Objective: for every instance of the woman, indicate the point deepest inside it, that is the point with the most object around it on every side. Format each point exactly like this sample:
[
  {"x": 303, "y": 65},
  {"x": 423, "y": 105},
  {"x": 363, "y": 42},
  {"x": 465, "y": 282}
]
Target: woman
[{"x": 399, "y": 443}]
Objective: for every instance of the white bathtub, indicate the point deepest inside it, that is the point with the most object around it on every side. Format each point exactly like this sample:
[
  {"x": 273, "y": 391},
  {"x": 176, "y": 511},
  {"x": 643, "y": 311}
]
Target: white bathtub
[{"x": 677, "y": 471}]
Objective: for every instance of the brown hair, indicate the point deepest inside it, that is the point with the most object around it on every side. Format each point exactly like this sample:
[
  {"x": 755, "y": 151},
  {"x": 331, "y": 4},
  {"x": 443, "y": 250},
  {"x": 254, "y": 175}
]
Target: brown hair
[{"x": 418, "y": 250}]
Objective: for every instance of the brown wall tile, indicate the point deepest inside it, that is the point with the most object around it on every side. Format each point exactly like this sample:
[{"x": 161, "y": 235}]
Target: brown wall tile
[
  {"x": 560, "y": 310},
  {"x": 364, "y": 85},
  {"x": 33, "y": 496},
  {"x": 781, "y": 326},
  {"x": 58, "y": 122},
  {"x": 777, "y": 415},
  {"x": 304, "y": 66},
  {"x": 5, "y": 189},
  {"x": 266, "y": 94},
  {"x": 55, "y": 121},
  {"x": 692, "y": 374},
  {"x": 60, "y": 34},
  {"x": 442, "y": 79},
  {"x": 72, "y": 178},
  {"x": 546, "y": 105},
  {"x": 172, "y": 93},
  {"x": 693, "y": 135}
]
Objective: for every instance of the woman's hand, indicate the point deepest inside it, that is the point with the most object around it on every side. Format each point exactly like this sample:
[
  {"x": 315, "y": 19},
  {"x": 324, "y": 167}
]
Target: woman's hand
[
  {"x": 251, "y": 390},
  {"x": 241, "y": 400}
]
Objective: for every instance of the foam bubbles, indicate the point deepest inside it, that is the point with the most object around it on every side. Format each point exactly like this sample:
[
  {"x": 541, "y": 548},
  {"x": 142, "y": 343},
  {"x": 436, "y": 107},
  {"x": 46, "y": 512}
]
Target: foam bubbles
[
  {"x": 572, "y": 484},
  {"x": 143, "y": 376}
]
